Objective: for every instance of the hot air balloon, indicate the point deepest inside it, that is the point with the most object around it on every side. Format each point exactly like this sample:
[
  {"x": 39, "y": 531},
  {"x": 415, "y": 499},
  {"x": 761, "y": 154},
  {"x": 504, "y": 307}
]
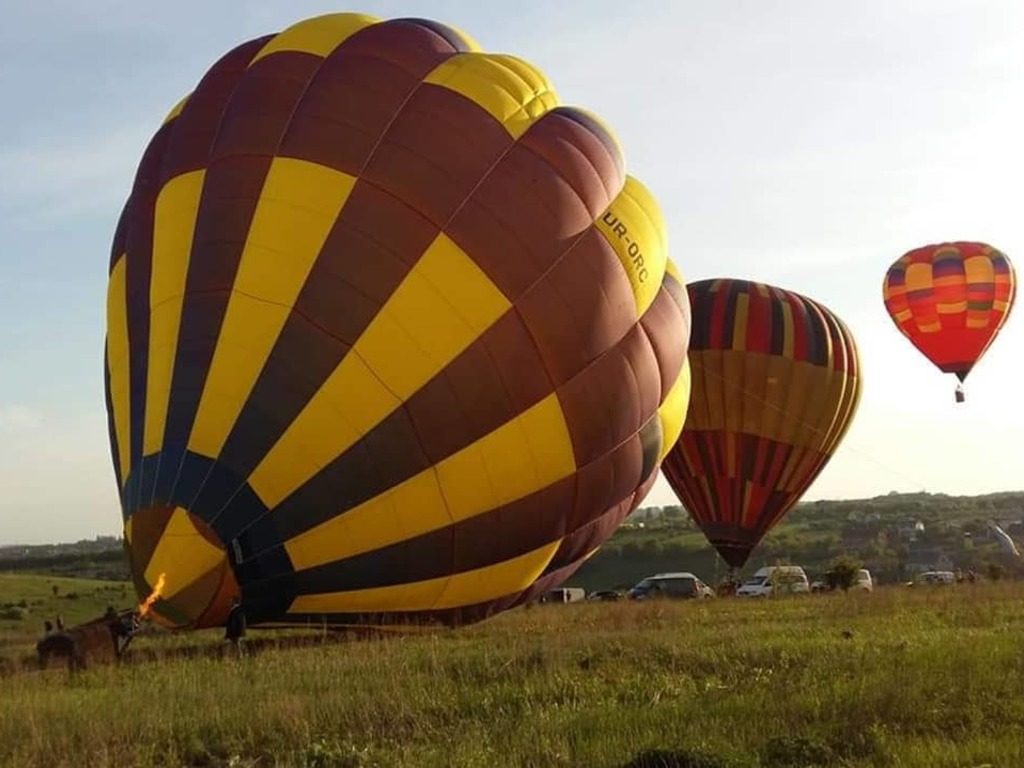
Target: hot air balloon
[
  {"x": 950, "y": 300},
  {"x": 391, "y": 335},
  {"x": 776, "y": 381},
  {"x": 1003, "y": 539}
]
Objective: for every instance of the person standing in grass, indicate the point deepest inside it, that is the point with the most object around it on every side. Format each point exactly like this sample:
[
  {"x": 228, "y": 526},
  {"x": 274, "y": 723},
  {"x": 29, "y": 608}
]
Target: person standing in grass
[{"x": 235, "y": 626}]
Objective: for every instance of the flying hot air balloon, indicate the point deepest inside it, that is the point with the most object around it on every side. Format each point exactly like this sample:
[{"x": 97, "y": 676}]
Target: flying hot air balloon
[
  {"x": 775, "y": 384},
  {"x": 391, "y": 335},
  {"x": 1003, "y": 539},
  {"x": 950, "y": 300}
]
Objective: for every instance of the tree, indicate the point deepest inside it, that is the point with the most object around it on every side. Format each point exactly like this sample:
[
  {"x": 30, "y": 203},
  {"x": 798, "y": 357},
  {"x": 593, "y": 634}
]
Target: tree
[{"x": 843, "y": 573}]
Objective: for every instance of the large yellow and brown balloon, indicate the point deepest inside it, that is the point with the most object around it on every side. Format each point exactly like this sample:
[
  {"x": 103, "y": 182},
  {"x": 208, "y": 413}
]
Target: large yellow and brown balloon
[
  {"x": 950, "y": 300},
  {"x": 776, "y": 382},
  {"x": 390, "y": 333}
]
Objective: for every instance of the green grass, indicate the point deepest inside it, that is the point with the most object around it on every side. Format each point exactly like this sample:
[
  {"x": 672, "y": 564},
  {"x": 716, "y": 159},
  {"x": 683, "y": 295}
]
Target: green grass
[
  {"x": 76, "y": 600},
  {"x": 930, "y": 678}
]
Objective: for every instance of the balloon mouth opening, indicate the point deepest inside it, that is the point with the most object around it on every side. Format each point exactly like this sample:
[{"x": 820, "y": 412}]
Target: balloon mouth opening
[
  {"x": 180, "y": 568},
  {"x": 735, "y": 555}
]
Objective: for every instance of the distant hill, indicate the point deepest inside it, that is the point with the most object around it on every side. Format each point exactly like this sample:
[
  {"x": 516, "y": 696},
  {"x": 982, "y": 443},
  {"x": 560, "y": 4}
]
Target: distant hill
[
  {"x": 894, "y": 535},
  {"x": 99, "y": 558}
]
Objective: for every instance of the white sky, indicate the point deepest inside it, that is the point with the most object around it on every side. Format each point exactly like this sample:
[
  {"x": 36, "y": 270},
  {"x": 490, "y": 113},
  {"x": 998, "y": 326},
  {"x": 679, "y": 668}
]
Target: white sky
[{"x": 803, "y": 144}]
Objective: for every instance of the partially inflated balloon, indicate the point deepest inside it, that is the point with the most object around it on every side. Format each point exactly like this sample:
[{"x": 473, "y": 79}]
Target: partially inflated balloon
[
  {"x": 950, "y": 300},
  {"x": 390, "y": 333},
  {"x": 776, "y": 382}
]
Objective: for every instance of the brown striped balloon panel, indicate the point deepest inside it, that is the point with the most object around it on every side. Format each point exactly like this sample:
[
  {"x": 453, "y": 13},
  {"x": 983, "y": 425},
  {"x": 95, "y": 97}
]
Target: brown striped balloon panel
[
  {"x": 390, "y": 333},
  {"x": 776, "y": 381}
]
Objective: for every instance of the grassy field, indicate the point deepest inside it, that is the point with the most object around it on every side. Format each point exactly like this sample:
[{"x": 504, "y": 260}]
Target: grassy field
[
  {"x": 904, "y": 677},
  {"x": 26, "y": 601}
]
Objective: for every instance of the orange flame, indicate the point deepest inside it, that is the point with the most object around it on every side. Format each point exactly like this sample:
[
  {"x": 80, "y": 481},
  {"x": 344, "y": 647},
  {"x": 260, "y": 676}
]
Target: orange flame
[{"x": 146, "y": 604}]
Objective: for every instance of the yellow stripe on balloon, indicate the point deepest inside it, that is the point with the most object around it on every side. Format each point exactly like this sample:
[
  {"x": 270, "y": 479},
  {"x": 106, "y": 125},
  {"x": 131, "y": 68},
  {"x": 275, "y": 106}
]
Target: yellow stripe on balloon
[
  {"x": 317, "y": 36},
  {"x": 673, "y": 410},
  {"x": 176, "y": 109},
  {"x": 513, "y": 92},
  {"x": 297, "y": 208},
  {"x": 530, "y": 452},
  {"x": 118, "y": 362},
  {"x": 462, "y": 589},
  {"x": 177, "y": 207},
  {"x": 635, "y": 229},
  {"x": 443, "y": 304},
  {"x": 182, "y": 555}
]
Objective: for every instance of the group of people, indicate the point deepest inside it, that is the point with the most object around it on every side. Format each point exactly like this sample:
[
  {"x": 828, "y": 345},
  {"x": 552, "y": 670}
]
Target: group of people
[
  {"x": 123, "y": 627},
  {"x": 727, "y": 586},
  {"x": 49, "y": 628},
  {"x": 75, "y": 643}
]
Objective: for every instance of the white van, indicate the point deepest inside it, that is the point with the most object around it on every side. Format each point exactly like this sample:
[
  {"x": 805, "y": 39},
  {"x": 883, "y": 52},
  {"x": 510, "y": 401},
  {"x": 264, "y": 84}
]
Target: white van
[
  {"x": 563, "y": 595},
  {"x": 863, "y": 581},
  {"x": 775, "y": 579}
]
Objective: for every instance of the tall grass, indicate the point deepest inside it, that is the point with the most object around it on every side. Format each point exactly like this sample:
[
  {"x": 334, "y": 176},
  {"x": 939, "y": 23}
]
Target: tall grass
[{"x": 903, "y": 677}]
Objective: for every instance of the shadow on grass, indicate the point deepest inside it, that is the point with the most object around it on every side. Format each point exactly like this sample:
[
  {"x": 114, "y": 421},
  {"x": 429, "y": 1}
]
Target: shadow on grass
[{"x": 663, "y": 758}]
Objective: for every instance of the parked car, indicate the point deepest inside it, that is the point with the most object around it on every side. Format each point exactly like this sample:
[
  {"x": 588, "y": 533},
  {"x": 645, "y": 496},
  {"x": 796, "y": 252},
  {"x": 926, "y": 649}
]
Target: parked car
[
  {"x": 774, "y": 580},
  {"x": 563, "y": 595},
  {"x": 675, "y": 585},
  {"x": 933, "y": 577},
  {"x": 861, "y": 581},
  {"x": 605, "y": 595}
]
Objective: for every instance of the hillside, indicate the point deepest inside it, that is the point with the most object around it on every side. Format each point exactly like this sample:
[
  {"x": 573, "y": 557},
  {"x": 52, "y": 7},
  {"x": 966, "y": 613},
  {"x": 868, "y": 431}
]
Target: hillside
[
  {"x": 99, "y": 558},
  {"x": 894, "y": 535}
]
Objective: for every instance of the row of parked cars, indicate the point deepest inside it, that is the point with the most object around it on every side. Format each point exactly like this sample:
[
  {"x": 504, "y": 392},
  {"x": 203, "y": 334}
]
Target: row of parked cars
[
  {"x": 767, "y": 581},
  {"x": 773, "y": 579}
]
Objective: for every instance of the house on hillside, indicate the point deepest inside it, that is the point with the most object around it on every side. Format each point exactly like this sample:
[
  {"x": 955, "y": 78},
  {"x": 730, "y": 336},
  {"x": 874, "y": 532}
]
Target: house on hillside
[{"x": 909, "y": 531}]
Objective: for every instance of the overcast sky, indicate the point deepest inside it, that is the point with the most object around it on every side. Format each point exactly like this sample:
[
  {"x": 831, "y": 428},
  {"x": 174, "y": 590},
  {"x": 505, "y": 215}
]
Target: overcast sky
[{"x": 803, "y": 144}]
